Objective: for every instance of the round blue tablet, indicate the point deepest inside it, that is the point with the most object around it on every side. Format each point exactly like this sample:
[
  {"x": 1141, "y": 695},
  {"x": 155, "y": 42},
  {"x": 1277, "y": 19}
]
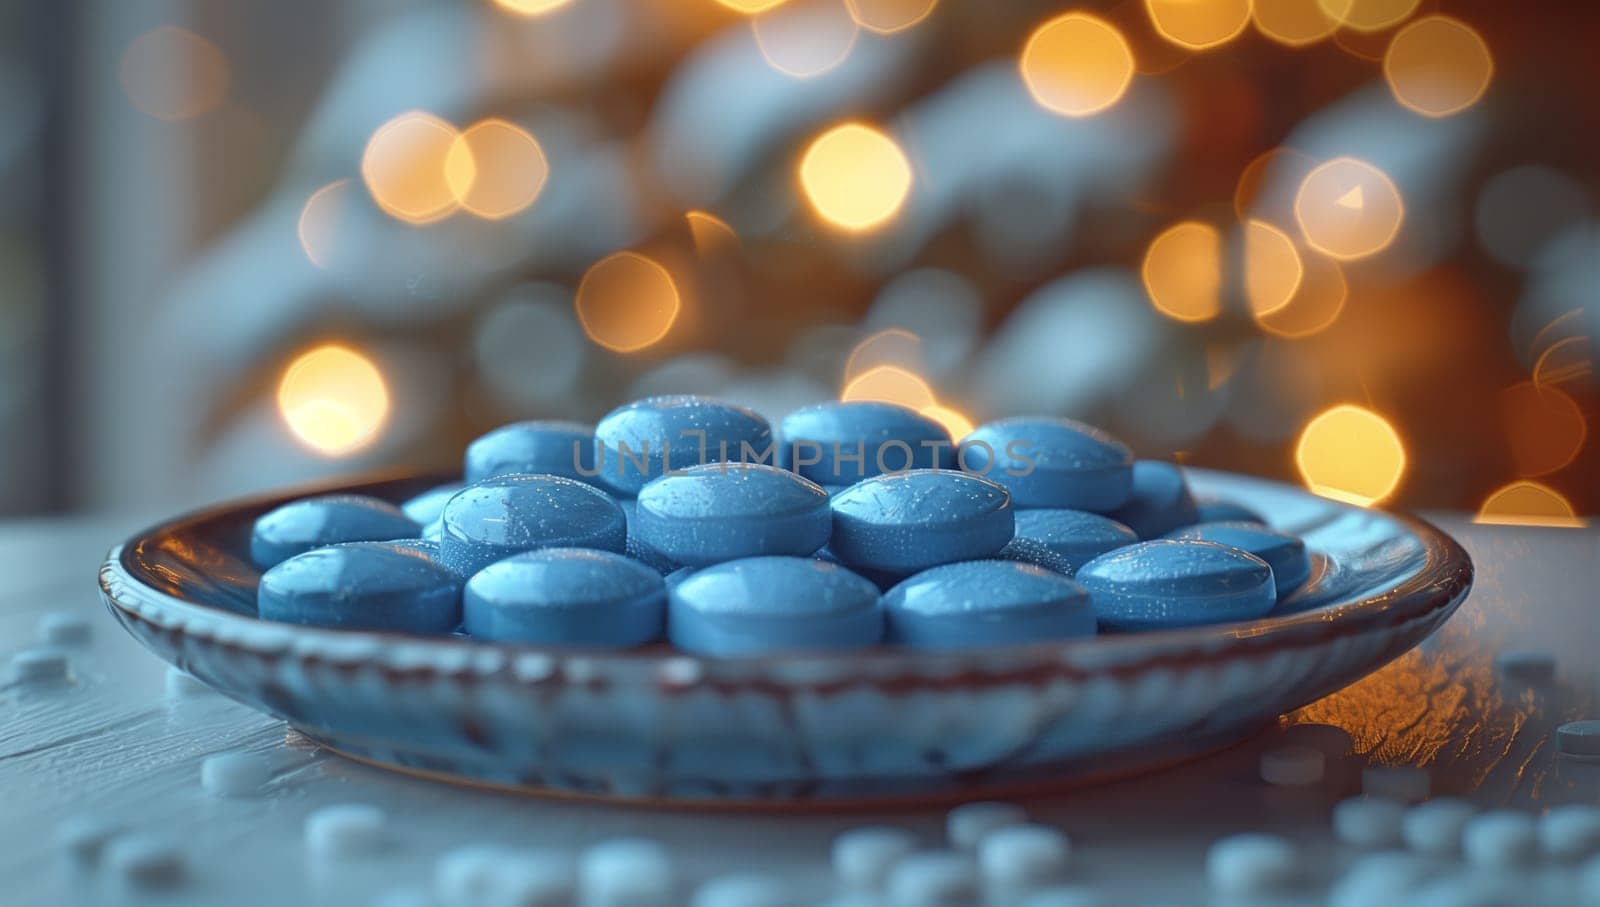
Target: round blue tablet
[
  {"x": 770, "y": 604},
  {"x": 541, "y": 447},
  {"x": 427, "y": 507},
  {"x": 1028, "y": 551},
  {"x": 646, "y": 438},
  {"x": 303, "y": 525},
  {"x": 725, "y": 511},
  {"x": 909, "y": 521},
  {"x": 1160, "y": 501},
  {"x": 1047, "y": 462},
  {"x": 1284, "y": 553},
  {"x": 1171, "y": 583},
  {"x": 566, "y": 596},
  {"x": 496, "y": 518},
  {"x": 1077, "y": 536},
  {"x": 363, "y": 585},
  {"x": 985, "y": 603},
  {"x": 1216, "y": 510},
  {"x": 883, "y": 579},
  {"x": 844, "y": 442}
]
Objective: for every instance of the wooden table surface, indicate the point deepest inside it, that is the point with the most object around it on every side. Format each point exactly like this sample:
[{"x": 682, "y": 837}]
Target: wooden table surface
[{"x": 113, "y": 742}]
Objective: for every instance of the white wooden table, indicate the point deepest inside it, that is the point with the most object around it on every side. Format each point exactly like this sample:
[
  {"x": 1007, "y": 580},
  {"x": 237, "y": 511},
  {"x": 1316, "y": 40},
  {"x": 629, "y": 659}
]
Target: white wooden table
[{"x": 112, "y": 742}]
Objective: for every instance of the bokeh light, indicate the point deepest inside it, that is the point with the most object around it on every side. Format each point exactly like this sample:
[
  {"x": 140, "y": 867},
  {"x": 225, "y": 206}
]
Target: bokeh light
[
  {"x": 318, "y": 227},
  {"x": 954, "y": 421},
  {"x": 1077, "y": 64},
  {"x": 806, "y": 39},
  {"x": 890, "y": 346},
  {"x": 1351, "y": 454},
  {"x": 495, "y": 169},
  {"x": 1293, "y": 23},
  {"x": 404, "y": 167},
  {"x": 174, "y": 74},
  {"x": 711, "y": 234},
  {"x": 1438, "y": 66},
  {"x": 1565, "y": 360},
  {"x": 1543, "y": 426},
  {"x": 1527, "y": 503},
  {"x": 1369, "y": 15},
  {"x": 1316, "y": 302},
  {"x": 751, "y": 7},
  {"x": 890, "y": 384},
  {"x": 855, "y": 177},
  {"x": 1255, "y": 195},
  {"x": 1182, "y": 271},
  {"x": 531, "y": 7},
  {"x": 1198, "y": 24},
  {"x": 333, "y": 399},
  {"x": 627, "y": 302},
  {"x": 889, "y": 16},
  {"x": 1348, "y": 209},
  {"x": 1272, "y": 268}
]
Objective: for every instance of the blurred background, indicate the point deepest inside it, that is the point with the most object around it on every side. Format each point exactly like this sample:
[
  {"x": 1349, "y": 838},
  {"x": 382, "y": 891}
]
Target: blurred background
[{"x": 1346, "y": 243}]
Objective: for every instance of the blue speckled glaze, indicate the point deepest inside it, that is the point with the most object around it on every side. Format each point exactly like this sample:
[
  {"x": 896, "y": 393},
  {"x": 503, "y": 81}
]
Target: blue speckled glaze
[
  {"x": 726, "y": 511},
  {"x": 637, "y": 549},
  {"x": 1077, "y": 536},
  {"x": 1217, "y": 510},
  {"x": 540, "y": 447},
  {"x": 1029, "y": 551},
  {"x": 301, "y": 526},
  {"x": 363, "y": 585},
  {"x": 1160, "y": 502},
  {"x": 665, "y": 433},
  {"x": 567, "y": 597},
  {"x": 910, "y": 521},
  {"x": 861, "y": 427},
  {"x": 426, "y": 507},
  {"x": 1284, "y": 553},
  {"x": 770, "y": 604},
  {"x": 496, "y": 518},
  {"x": 984, "y": 603},
  {"x": 677, "y": 576},
  {"x": 883, "y": 579},
  {"x": 1050, "y": 462},
  {"x": 1169, "y": 583}
]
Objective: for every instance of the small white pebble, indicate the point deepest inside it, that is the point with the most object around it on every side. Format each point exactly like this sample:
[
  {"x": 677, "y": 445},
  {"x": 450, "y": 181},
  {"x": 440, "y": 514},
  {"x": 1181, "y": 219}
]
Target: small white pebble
[
  {"x": 1253, "y": 863},
  {"x": 1405, "y": 783},
  {"x": 1500, "y": 839},
  {"x": 1022, "y": 856},
  {"x": 1369, "y": 822},
  {"x": 1293, "y": 766},
  {"x": 626, "y": 871},
  {"x": 743, "y": 890},
  {"x": 1579, "y": 738},
  {"x": 234, "y": 774},
  {"x": 1379, "y": 878},
  {"x": 39, "y": 666},
  {"x": 144, "y": 861},
  {"x": 58, "y": 628},
  {"x": 1064, "y": 896},
  {"x": 862, "y": 856},
  {"x": 346, "y": 830},
  {"x": 1570, "y": 832},
  {"x": 84, "y": 837},
  {"x": 538, "y": 879},
  {"x": 934, "y": 879},
  {"x": 1333, "y": 742},
  {"x": 1527, "y": 666},
  {"x": 1434, "y": 828},
  {"x": 181, "y": 683},
  {"x": 967, "y": 824}
]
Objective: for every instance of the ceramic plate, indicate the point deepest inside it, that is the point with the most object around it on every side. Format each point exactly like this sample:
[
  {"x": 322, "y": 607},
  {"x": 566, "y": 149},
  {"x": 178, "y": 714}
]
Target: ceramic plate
[{"x": 836, "y": 728}]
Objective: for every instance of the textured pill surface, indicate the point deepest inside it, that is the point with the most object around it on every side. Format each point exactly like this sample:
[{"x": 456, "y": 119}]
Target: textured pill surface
[
  {"x": 766, "y": 604},
  {"x": 1160, "y": 501},
  {"x": 1579, "y": 738},
  {"x": 1076, "y": 535},
  {"x": 566, "y": 596},
  {"x": 346, "y": 830},
  {"x": 726, "y": 511},
  {"x": 1284, "y": 553},
  {"x": 914, "y": 520},
  {"x": 541, "y": 447},
  {"x": 1048, "y": 462},
  {"x": 1216, "y": 510},
  {"x": 644, "y": 439},
  {"x": 429, "y": 506},
  {"x": 234, "y": 774},
  {"x": 862, "y": 857},
  {"x": 311, "y": 523},
  {"x": 1172, "y": 583},
  {"x": 844, "y": 442},
  {"x": 363, "y": 585},
  {"x": 980, "y": 603},
  {"x": 507, "y": 515}
]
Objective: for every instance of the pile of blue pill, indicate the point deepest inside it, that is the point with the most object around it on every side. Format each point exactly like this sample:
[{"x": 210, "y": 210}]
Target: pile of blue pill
[{"x": 690, "y": 521}]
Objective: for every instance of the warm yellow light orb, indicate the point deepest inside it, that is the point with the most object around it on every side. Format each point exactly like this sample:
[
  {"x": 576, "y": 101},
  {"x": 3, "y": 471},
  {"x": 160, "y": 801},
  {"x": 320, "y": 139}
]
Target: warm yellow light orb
[
  {"x": 889, "y": 16},
  {"x": 890, "y": 384},
  {"x": 1182, "y": 271},
  {"x": 954, "y": 422},
  {"x": 1369, "y": 15},
  {"x": 531, "y": 7},
  {"x": 495, "y": 169},
  {"x": 1438, "y": 66},
  {"x": 751, "y": 7},
  {"x": 1528, "y": 503},
  {"x": 855, "y": 177},
  {"x": 1348, "y": 209},
  {"x": 1351, "y": 454},
  {"x": 1316, "y": 302},
  {"x": 1272, "y": 267},
  {"x": 333, "y": 399},
  {"x": 318, "y": 227},
  {"x": 1076, "y": 64},
  {"x": 1293, "y": 23},
  {"x": 627, "y": 302},
  {"x": 1198, "y": 24},
  {"x": 404, "y": 167},
  {"x": 174, "y": 74}
]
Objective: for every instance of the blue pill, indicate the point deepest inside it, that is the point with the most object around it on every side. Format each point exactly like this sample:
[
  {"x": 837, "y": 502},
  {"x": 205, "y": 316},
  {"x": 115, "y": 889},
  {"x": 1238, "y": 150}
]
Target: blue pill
[
  {"x": 883, "y": 579},
  {"x": 496, "y": 518},
  {"x": 1077, "y": 536},
  {"x": 311, "y": 523},
  {"x": 645, "y": 439},
  {"x": 910, "y": 521},
  {"x": 1216, "y": 510},
  {"x": 841, "y": 443},
  {"x": 566, "y": 597},
  {"x": 1284, "y": 553},
  {"x": 1029, "y": 551},
  {"x": 1048, "y": 462},
  {"x": 541, "y": 447},
  {"x": 1172, "y": 583},
  {"x": 985, "y": 603},
  {"x": 769, "y": 604},
  {"x": 1160, "y": 501},
  {"x": 428, "y": 506},
  {"x": 725, "y": 511},
  {"x": 363, "y": 585}
]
